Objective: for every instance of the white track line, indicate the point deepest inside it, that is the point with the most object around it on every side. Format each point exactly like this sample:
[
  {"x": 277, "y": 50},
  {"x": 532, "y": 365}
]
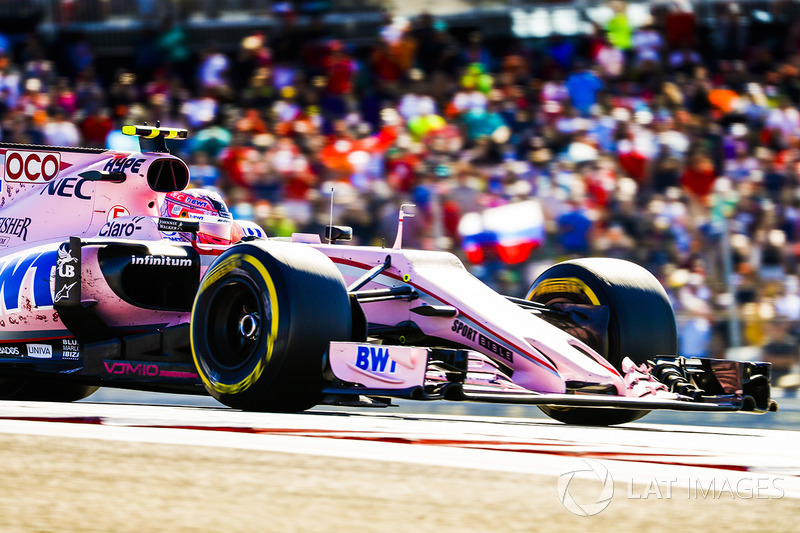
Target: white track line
[{"x": 540, "y": 448}]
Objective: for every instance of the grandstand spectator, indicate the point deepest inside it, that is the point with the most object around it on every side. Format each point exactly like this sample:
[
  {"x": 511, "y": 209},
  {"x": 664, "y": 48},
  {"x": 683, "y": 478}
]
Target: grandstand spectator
[
  {"x": 583, "y": 86},
  {"x": 59, "y": 131},
  {"x": 619, "y": 27},
  {"x": 620, "y": 136},
  {"x": 574, "y": 230},
  {"x": 96, "y": 127},
  {"x": 698, "y": 178}
]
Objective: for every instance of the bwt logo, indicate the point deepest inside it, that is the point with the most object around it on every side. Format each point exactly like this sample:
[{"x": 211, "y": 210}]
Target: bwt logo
[
  {"x": 591, "y": 507},
  {"x": 32, "y": 167},
  {"x": 196, "y": 202},
  {"x": 374, "y": 359}
]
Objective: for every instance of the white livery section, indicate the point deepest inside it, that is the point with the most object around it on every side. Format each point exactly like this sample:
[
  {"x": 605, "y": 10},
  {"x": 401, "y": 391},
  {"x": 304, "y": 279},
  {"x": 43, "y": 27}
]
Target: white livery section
[{"x": 377, "y": 366}]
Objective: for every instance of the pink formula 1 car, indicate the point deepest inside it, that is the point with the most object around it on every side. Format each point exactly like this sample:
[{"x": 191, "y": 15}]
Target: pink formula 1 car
[{"x": 112, "y": 274}]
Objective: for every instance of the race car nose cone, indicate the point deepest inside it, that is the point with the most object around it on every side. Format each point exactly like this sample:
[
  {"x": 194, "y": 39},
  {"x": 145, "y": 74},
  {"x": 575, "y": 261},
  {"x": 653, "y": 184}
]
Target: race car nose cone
[{"x": 248, "y": 326}]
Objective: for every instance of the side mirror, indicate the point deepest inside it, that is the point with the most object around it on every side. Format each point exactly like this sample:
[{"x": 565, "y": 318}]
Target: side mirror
[
  {"x": 406, "y": 210},
  {"x": 409, "y": 210},
  {"x": 103, "y": 175},
  {"x": 338, "y": 233}
]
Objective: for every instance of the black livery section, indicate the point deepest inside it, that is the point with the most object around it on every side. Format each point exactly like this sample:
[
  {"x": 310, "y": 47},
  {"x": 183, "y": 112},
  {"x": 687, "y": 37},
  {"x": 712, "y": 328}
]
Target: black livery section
[
  {"x": 41, "y": 352},
  {"x": 164, "y": 279},
  {"x": 157, "y": 360},
  {"x": 152, "y": 279}
]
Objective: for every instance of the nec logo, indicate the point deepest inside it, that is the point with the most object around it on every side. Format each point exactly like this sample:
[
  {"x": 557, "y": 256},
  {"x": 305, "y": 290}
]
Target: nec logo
[
  {"x": 374, "y": 359},
  {"x": 31, "y": 167},
  {"x": 68, "y": 188}
]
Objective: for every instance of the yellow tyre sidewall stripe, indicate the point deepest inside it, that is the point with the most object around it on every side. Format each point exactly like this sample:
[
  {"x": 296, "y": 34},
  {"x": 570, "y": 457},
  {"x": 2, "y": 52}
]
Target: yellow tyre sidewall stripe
[
  {"x": 216, "y": 273},
  {"x": 564, "y": 285}
]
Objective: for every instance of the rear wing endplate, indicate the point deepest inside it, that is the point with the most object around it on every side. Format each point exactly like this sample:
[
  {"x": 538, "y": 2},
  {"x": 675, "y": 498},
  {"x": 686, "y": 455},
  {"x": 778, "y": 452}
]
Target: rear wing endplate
[{"x": 153, "y": 138}]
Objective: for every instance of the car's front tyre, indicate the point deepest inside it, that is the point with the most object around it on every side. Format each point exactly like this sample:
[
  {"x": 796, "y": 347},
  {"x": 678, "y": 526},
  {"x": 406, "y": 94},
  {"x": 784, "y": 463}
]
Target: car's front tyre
[
  {"x": 261, "y": 323},
  {"x": 641, "y": 326}
]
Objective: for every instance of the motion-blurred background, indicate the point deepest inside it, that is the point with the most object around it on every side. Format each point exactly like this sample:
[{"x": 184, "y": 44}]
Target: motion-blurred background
[{"x": 667, "y": 133}]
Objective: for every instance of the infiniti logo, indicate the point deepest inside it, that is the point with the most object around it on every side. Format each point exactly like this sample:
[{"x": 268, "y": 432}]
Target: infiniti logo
[{"x": 593, "y": 506}]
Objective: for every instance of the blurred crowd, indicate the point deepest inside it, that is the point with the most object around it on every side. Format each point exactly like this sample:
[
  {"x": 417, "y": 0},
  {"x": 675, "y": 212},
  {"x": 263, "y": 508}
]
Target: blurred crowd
[{"x": 653, "y": 143}]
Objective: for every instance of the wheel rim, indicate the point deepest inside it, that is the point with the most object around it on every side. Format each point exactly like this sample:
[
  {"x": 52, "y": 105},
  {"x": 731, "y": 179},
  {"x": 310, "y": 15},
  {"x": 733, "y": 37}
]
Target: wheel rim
[
  {"x": 236, "y": 329},
  {"x": 249, "y": 326}
]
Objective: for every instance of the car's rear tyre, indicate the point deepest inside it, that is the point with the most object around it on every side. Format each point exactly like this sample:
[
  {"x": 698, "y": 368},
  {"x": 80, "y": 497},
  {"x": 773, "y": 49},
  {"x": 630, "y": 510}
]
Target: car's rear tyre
[
  {"x": 641, "y": 324},
  {"x": 43, "y": 391},
  {"x": 261, "y": 323}
]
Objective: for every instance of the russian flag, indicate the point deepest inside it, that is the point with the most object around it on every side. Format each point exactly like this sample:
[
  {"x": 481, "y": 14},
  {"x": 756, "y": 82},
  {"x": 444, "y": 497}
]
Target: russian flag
[{"x": 510, "y": 232}]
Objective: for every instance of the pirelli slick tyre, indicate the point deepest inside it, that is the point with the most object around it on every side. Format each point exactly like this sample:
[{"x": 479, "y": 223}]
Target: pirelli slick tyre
[
  {"x": 261, "y": 323},
  {"x": 43, "y": 391},
  {"x": 641, "y": 324}
]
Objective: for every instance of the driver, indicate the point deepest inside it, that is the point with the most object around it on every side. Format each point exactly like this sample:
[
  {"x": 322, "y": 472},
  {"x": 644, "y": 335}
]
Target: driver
[{"x": 208, "y": 207}]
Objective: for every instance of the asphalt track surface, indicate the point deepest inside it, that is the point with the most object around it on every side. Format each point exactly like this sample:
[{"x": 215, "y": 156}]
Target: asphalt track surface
[{"x": 124, "y": 460}]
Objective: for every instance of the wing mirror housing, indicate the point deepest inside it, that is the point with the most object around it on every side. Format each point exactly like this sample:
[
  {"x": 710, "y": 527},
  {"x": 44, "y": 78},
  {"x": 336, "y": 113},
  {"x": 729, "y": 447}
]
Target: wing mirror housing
[{"x": 338, "y": 233}]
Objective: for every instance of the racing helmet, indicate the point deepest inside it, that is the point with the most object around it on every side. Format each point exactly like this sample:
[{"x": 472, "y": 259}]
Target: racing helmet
[{"x": 205, "y": 206}]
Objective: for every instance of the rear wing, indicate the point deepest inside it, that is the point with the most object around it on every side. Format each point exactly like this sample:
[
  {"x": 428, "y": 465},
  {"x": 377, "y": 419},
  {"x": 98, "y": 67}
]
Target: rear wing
[{"x": 153, "y": 138}]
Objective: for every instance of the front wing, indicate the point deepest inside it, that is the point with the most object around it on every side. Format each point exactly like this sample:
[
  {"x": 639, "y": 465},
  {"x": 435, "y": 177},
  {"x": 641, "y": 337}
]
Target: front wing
[{"x": 695, "y": 384}]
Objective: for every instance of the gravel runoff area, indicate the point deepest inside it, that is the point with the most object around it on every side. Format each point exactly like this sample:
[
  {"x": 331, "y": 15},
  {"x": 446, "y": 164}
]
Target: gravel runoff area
[{"x": 64, "y": 484}]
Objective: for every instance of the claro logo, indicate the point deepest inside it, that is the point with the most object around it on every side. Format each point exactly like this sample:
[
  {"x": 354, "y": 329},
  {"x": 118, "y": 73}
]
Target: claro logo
[{"x": 31, "y": 167}]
